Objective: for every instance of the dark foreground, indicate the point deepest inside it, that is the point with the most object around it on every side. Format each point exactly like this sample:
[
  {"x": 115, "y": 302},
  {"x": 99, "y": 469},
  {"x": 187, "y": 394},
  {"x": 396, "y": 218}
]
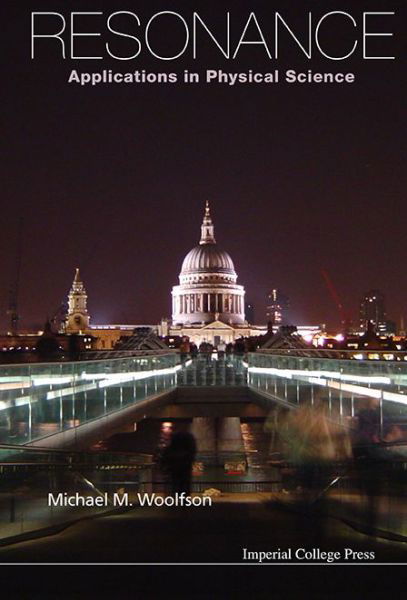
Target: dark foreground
[{"x": 217, "y": 534}]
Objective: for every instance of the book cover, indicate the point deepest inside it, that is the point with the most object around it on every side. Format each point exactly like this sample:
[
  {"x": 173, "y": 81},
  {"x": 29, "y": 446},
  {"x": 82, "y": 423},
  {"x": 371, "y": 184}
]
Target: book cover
[{"x": 203, "y": 299}]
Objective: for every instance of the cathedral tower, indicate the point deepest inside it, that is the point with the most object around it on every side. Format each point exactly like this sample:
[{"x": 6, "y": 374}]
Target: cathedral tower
[{"x": 77, "y": 318}]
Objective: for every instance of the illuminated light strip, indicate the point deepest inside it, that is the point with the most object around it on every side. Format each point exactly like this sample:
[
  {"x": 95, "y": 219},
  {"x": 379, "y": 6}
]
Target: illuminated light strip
[
  {"x": 15, "y": 386},
  {"x": 93, "y": 376},
  {"x": 24, "y": 381},
  {"x": 289, "y": 373},
  {"x": 317, "y": 381},
  {"x": 361, "y": 390},
  {"x": 52, "y": 380},
  {"x": 18, "y": 379},
  {"x": 71, "y": 390},
  {"x": 116, "y": 378},
  {"x": 104, "y": 376},
  {"x": 366, "y": 379},
  {"x": 121, "y": 379},
  {"x": 61, "y": 380},
  {"x": 51, "y": 395},
  {"x": 112, "y": 379},
  {"x": 344, "y": 387},
  {"x": 22, "y": 401},
  {"x": 393, "y": 397}
]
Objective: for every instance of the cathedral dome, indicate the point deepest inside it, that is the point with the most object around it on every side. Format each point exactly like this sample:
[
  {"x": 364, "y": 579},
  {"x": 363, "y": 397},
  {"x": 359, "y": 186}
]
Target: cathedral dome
[
  {"x": 208, "y": 289},
  {"x": 207, "y": 258}
]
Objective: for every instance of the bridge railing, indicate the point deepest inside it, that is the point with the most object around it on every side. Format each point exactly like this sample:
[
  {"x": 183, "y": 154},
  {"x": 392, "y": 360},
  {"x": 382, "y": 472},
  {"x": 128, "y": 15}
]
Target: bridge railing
[
  {"x": 209, "y": 369},
  {"x": 110, "y": 354},
  {"x": 35, "y": 482},
  {"x": 347, "y": 386},
  {"x": 38, "y": 400},
  {"x": 348, "y": 354}
]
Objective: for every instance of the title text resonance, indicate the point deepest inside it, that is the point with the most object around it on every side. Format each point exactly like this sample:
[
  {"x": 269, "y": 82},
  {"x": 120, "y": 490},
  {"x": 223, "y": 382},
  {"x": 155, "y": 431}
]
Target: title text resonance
[{"x": 123, "y": 36}]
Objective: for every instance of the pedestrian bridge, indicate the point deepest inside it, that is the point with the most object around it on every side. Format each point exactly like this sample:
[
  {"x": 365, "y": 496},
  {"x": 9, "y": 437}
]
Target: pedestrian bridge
[
  {"x": 41, "y": 401},
  {"x": 48, "y": 413}
]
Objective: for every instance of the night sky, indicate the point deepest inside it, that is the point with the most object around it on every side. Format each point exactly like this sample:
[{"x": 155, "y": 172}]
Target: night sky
[{"x": 113, "y": 178}]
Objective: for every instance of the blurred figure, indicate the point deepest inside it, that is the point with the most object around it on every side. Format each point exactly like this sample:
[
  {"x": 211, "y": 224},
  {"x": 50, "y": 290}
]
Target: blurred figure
[
  {"x": 369, "y": 464},
  {"x": 177, "y": 459},
  {"x": 240, "y": 347},
  {"x": 203, "y": 349},
  {"x": 221, "y": 350},
  {"x": 184, "y": 349},
  {"x": 314, "y": 447},
  {"x": 367, "y": 432},
  {"x": 313, "y": 444},
  {"x": 193, "y": 350}
]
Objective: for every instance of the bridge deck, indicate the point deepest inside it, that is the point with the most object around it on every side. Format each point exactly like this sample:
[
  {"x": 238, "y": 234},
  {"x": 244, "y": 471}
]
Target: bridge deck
[{"x": 209, "y": 535}]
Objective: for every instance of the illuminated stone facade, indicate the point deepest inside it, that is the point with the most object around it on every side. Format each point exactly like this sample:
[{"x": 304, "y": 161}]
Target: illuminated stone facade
[
  {"x": 207, "y": 289},
  {"x": 208, "y": 304},
  {"x": 77, "y": 318}
]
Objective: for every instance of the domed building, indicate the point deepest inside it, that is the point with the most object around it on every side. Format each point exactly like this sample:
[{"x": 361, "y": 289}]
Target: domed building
[
  {"x": 208, "y": 304},
  {"x": 207, "y": 289}
]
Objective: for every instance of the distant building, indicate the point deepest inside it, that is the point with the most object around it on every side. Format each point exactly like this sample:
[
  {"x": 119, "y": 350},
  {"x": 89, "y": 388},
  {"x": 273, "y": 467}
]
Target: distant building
[
  {"x": 208, "y": 305},
  {"x": 373, "y": 310},
  {"x": 77, "y": 318},
  {"x": 277, "y": 306},
  {"x": 249, "y": 311},
  {"x": 387, "y": 328},
  {"x": 104, "y": 337},
  {"x": 207, "y": 289},
  {"x": 45, "y": 345}
]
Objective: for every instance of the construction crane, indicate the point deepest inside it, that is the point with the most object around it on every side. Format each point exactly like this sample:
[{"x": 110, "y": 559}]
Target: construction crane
[
  {"x": 13, "y": 311},
  {"x": 343, "y": 313}
]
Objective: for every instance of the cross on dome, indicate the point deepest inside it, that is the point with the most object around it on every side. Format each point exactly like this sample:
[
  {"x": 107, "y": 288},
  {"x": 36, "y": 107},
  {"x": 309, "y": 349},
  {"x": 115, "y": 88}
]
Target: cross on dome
[
  {"x": 77, "y": 277},
  {"x": 207, "y": 227}
]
